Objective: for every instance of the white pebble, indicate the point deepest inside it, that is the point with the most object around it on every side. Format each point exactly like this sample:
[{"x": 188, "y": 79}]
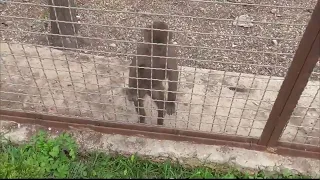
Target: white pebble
[
  {"x": 3, "y": 2},
  {"x": 275, "y": 42},
  {"x": 49, "y": 128},
  {"x": 8, "y": 22},
  {"x": 273, "y": 11},
  {"x": 112, "y": 45},
  {"x": 243, "y": 21}
]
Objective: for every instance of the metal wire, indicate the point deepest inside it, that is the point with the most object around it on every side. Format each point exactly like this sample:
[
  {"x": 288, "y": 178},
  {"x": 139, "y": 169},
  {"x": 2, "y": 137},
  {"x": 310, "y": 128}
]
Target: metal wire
[
  {"x": 229, "y": 75},
  {"x": 304, "y": 125}
]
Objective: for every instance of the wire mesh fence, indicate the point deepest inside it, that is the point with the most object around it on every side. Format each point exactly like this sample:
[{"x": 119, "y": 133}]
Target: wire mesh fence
[
  {"x": 304, "y": 124},
  {"x": 233, "y": 56}
]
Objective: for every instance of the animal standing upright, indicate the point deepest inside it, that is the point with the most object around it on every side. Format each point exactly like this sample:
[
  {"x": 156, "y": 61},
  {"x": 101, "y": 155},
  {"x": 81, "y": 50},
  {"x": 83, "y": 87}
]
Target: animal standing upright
[{"x": 161, "y": 56}]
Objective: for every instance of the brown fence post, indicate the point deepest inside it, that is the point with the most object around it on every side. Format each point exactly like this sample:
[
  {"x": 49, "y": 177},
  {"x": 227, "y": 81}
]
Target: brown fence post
[
  {"x": 297, "y": 77},
  {"x": 67, "y": 27}
]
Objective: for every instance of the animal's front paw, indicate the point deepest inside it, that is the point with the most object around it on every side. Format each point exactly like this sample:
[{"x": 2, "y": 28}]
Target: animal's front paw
[
  {"x": 132, "y": 94},
  {"x": 170, "y": 108}
]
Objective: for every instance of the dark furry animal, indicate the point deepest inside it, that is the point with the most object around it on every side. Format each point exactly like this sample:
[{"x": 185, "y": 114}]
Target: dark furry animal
[{"x": 151, "y": 84}]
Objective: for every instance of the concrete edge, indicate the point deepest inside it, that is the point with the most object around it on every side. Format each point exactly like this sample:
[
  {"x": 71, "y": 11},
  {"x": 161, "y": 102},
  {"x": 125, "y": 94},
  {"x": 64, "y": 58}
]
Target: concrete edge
[{"x": 184, "y": 152}]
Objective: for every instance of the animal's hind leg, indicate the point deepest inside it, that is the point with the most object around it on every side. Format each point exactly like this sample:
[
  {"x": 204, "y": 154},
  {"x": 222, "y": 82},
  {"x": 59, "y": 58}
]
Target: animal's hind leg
[
  {"x": 158, "y": 97},
  {"x": 139, "y": 105}
]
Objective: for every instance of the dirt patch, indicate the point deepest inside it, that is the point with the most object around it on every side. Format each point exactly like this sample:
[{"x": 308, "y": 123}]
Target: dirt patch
[{"x": 205, "y": 32}]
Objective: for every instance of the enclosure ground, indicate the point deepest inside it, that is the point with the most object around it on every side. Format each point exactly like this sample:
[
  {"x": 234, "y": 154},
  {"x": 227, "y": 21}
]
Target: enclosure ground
[
  {"x": 204, "y": 30},
  {"x": 200, "y": 161}
]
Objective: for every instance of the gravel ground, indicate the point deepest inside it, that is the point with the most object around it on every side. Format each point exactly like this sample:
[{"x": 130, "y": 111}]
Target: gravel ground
[{"x": 265, "y": 48}]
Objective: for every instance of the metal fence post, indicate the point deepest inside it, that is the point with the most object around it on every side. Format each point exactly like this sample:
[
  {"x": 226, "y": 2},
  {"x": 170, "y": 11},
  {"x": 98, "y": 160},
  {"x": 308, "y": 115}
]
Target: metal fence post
[{"x": 295, "y": 81}]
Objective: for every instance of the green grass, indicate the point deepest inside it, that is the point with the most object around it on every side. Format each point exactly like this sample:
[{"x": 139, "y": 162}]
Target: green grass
[{"x": 44, "y": 157}]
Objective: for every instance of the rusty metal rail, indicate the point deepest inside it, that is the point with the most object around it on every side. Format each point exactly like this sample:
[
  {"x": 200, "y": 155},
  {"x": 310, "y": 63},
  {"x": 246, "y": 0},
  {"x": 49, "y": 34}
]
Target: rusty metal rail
[{"x": 158, "y": 133}]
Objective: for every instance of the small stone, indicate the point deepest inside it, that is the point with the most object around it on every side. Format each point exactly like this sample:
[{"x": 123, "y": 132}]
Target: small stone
[
  {"x": 174, "y": 42},
  {"x": 243, "y": 21},
  {"x": 49, "y": 128},
  {"x": 112, "y": 45},
  {"x": 3, "y": 1},
  {"x": 274, "y": 11},
  {"x": 8, "y": 23},
  {"x": 275, "y": 42},
  {"x": 78, "y": 17}
]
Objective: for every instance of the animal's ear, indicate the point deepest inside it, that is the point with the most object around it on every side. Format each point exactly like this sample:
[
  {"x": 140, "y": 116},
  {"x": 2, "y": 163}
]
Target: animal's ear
[{"x": 147, "y": 34}]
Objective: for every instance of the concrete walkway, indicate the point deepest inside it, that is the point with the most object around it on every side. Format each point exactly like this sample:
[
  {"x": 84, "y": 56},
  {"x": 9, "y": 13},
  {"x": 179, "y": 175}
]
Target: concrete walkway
[{"x": 92, "y": 87}]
